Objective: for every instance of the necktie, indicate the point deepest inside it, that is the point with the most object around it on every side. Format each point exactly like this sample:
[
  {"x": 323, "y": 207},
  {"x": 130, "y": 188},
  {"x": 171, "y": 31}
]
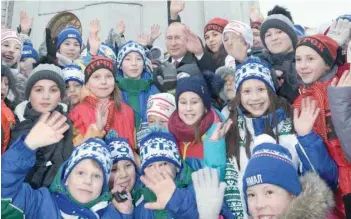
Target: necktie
[{"x": 176, "y": 63}]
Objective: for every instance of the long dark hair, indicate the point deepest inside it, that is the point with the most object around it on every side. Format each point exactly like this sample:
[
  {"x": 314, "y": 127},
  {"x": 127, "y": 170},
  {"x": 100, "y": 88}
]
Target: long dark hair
[
  {"x": 233, "y": 136},
  {"x": 219, "y": 56}
]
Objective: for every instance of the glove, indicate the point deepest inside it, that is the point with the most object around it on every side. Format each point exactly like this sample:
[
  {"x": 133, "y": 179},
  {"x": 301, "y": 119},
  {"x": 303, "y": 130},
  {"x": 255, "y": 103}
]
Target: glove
[
  {"x": 340, "y": 31},
  {"x": 209, "y": 192},
  {"x": 165, "y": 77},
  {"x": 50, "y": 46}
]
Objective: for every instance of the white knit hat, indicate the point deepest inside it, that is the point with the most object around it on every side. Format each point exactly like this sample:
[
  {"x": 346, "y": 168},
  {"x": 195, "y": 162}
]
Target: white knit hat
[
  {"x": 162, "y": 104},
  {"x": 240, "y": 28}
]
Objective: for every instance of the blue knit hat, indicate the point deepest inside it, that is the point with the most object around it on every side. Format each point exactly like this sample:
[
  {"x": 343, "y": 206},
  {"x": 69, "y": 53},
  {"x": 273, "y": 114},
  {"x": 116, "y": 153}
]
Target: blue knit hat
[
  {"x": 73, "y": 72},
  {"x": 253, "y": 68},
  {"x": 271, "y": 163},
  {"x": 29, "y": 52},
  {"x": 194, "y": 84},
  {"x": 159, "y": 146},
  {"x": 94, "y": 149},
  {"x": 68, "y": 32},
  {"x": 127, "y": 48},
  {"x": 345, "y": 17}
]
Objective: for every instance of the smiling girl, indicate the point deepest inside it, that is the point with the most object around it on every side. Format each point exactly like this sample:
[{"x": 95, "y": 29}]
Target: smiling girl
[
  {"x": 257, "y": 109},
  {"x": 101, "y": 108},
  {"x": 69, "y": 44}
]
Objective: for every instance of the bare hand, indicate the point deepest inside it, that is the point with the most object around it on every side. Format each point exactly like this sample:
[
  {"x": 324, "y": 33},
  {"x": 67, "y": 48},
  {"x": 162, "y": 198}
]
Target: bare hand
[
  {"x": 344, "y": 81},
  {"x": 101, "y": 115},
  {"x": 94, "y": 41},
  {"x": 340, "y": 31},
  {"x": 144, "y": 39},
  {"x": 256, "y": 15},
  {"x": 221, "y": 130},
  {"x": 155, "y": 32},
  {"x": 121, "y": 27},
  {"x": 193, "y": 44},
  {"x": 48, "y": 130},
  {"x": 160, "y": 183},
  {"x": 25, "y": 22},
  {"x": 304, "y": 120},
  {"x": 176, "y": 7}
]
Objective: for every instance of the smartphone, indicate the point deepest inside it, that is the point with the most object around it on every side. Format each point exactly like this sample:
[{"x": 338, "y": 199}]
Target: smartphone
[{"x": 120, "y": 196}]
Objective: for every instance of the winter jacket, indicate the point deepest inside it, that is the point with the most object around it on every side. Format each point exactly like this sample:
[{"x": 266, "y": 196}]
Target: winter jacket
[
  {"x": 139, "y": 114},
  {"x": 205, "y": 63},
  {"x": 207, "y": 152},
  {"x": 49, "y": 158},
  {"x": 83, "y": 116},
  {"x": 7, "y": 123},
  {"x": 41, "y": 203},
  {"x": 286, "y": 64},
  {"x": 308, "y": 154},
  {"x": 316, "y": 200},
  {"x": 340, "y": 107},
  {"x": 325, "y": 128}
]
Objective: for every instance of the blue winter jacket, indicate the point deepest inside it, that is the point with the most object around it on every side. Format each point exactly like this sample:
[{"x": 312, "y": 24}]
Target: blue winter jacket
[{"x": 36, "y": 204}]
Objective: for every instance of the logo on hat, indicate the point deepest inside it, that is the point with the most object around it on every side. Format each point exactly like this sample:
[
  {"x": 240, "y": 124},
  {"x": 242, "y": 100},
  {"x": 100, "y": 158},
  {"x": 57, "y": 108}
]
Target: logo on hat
[
  {"x": 72, "y": 36},
  {"x": 253, "y": 180}
]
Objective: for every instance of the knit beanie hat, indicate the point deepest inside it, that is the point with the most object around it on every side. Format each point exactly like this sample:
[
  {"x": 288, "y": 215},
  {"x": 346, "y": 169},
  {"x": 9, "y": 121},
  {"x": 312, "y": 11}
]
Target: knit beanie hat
[
  {"x": 45, "y": 72},
  {"x": 11, "y": 35},
  {"x": 73, "y": 72},
  {"x": 253, "y": 68},
  {"x": 69, "y": 32},
  {"x": 29, "y": 52},
  {"x": 98, "y": 62},
  {"x": 280, "y": 22},
  {"x": 272, "y": 164},
  {"x": 223, "y": 71},
  {"x": 188, "y": 70},
  {"x": 240, "y": 28},
  {"x": 162, "y": 105},
  {"x": 159, "y": 146},
  {"x": 120, "y": 150},
  {"x": 325, "y": 46},
  {"x": 194, "y": 84},
  {"x": 94, "y": 149},
  {"x": 216, "y": 24},
  {"x": 255, "y": 25},
  {"x": 345, "y": 17},
  {"x": 127, "y": 48}
]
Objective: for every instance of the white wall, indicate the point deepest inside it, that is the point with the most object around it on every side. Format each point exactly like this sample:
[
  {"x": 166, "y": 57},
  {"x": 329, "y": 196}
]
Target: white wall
[{"x": 138, "y": 15}]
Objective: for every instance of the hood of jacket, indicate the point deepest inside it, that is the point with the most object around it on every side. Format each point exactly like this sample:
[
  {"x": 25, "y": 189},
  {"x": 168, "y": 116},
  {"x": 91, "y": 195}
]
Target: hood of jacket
[{"x": 315, "y": 201}]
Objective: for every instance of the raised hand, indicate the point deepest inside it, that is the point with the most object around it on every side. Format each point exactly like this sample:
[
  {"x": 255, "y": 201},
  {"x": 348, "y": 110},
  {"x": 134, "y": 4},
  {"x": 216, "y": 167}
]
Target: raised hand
[
  {"x": 101, "y": 115},
  {"x": 340, "y": 31},
  {"x": 121, "y": 27},
  {"x": 221, "y": 130},
  {"x": 94, "y": 41},
  {"x": 48, "y": 130},
  {"x": 209, "y": 192},
  {"x": 175, "y": 8},
  {"x": 256, "y": 15},
  {"x": 160, "y": 183},
  {"x": 193, "y": 44},
  {"x": 304, "y": 120},
  {"x": 155, "y": 32},
  {"x": 25, "y": 22},
  {"x": 344, "y": 81},
  {"x": 144, "y": 39}
]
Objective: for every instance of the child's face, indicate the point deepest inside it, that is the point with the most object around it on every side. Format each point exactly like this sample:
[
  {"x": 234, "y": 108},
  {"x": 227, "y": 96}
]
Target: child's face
[
  {"x": 157, "y": 120},
  {"x": 254, "y": 97},
  {"x": 190, "y": 107},
  {"x": 70, "y": 49},
  {"x": 277, "y": 41},
  {"x": 101, "y": 83},
  {"x": 235, "y": 44},
  {"x": 267, "y": 201},
  {"x": 132, "y": 65},
  {"x": 257, "y": 42},
  {"x": 26, "y": 66},
  {"x": 45, "y": 96},
  {"x": 309, "y": 65},
  {"x": 123, "y": 175},
  {"x": 85, "y": 181},
  {"x": 73, "y": 91},
  {"x": 213, "y": 40},
  {"x": 4, "y": 87},
  {"x": 10, "y": 52},
  {"x": 229, "y": 91},
  {"x": 169, "y": 167}
]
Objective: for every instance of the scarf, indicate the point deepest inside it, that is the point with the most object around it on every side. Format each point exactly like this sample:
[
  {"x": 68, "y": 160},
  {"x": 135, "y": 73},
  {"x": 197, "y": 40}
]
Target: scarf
[
  {"x": 184, "y": 132},
  {"x": 182, "y": 181},
  {"x": 70, "y": 207},
  {"x": 134, "y": 87},
  {"x": 92, "y": 100}
]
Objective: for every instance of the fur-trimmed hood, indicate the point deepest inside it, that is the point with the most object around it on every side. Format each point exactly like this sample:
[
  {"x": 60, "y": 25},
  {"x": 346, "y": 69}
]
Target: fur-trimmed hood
[{"x": 315, "y": 201}]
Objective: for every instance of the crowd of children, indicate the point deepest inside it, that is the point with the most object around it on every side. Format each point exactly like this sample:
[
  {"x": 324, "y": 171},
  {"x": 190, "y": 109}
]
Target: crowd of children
[{"x": 254, "y": 123}]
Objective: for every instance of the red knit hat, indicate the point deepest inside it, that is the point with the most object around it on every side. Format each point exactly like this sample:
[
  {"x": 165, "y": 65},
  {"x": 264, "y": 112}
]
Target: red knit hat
[
  {"x": 216, "y": 24},
  {"x": 325, "y": 46},
  {"x": 98, "y": 62}
]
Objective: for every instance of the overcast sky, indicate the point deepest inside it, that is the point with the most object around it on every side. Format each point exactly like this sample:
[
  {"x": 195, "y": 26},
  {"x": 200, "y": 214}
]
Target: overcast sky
[{"x": 311, "y": 13}]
